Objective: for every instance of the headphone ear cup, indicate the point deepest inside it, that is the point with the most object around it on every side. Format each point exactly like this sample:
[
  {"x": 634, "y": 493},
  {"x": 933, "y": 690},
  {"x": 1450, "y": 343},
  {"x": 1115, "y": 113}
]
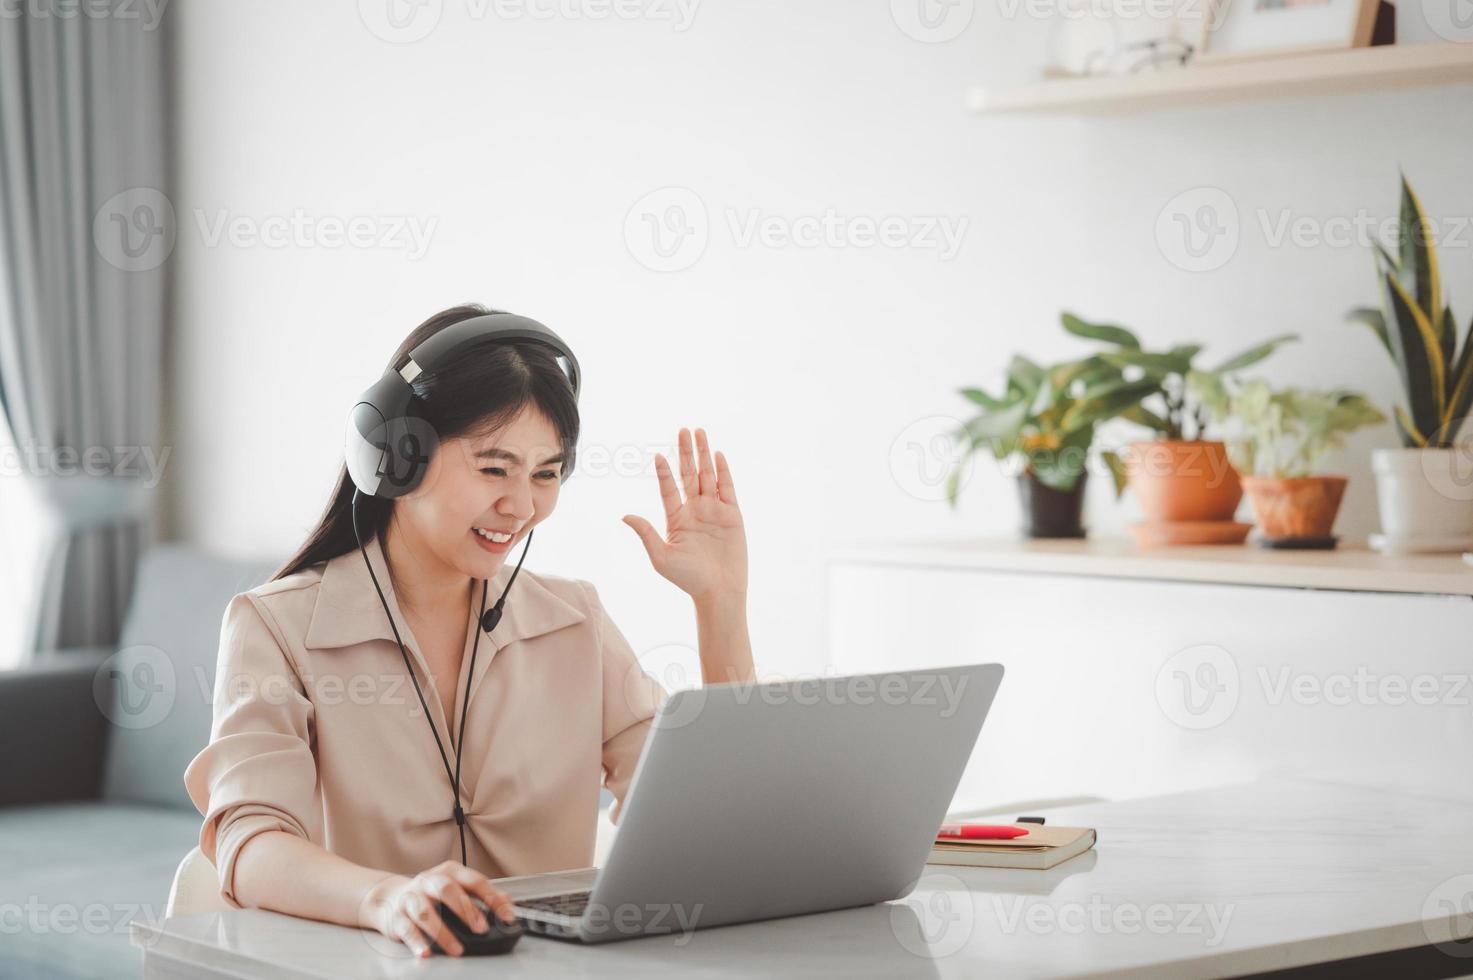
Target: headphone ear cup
[
  {"x": 388, "y": 444},
  {"x": 410, "y": 442}
]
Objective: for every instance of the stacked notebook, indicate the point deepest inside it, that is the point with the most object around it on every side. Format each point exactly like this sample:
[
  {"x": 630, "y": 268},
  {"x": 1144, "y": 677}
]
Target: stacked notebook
[{"x": 1040, "y": 848}]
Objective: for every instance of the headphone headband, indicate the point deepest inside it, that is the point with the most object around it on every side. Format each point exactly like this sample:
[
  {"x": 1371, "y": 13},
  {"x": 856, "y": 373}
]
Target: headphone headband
[
  {"x": 387, "y": 444},
  {"x": 438, "y": 350}
]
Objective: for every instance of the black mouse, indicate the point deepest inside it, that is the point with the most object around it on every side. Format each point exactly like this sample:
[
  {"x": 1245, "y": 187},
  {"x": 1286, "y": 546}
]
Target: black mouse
[{"x": 499, "y": 938}]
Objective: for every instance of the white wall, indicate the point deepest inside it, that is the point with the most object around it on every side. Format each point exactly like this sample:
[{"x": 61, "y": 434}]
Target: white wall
[{"x": 528, "y": 141}]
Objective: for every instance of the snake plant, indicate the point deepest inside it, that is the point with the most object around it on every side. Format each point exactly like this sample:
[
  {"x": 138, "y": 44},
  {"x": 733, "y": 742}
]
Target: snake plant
[{"x": 1416, "y": 326}]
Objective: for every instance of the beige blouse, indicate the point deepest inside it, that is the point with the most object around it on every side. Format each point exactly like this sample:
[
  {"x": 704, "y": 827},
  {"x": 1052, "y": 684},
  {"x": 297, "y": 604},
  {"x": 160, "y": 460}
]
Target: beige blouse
[{"x": 318, "y": 731}]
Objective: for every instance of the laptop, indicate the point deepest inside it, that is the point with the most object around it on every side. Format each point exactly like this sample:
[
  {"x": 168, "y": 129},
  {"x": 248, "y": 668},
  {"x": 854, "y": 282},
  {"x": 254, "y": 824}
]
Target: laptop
[{"x": 756, "y": 801}]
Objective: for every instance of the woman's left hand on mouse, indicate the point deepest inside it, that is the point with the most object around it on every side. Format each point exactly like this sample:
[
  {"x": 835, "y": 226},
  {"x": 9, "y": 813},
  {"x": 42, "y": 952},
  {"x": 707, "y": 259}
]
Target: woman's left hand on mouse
[{"x": 704, "y": 551}]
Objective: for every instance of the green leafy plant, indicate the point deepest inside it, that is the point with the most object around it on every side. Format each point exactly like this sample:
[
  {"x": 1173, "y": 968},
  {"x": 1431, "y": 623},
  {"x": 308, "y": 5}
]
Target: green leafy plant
[
  {"x": 1417, "y": 328},
  {"x": 1281, "y": 433},
  {"x": 1169, "y": 409},
  {"x": 1046, "y": 416}
]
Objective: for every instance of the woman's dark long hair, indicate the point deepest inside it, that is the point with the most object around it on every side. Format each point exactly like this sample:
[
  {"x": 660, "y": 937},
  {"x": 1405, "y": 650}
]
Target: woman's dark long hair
[{"x": 481, "y": 391}]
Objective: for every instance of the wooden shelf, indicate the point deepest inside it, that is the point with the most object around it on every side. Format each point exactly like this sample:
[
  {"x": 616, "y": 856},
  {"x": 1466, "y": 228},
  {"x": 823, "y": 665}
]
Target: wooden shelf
[
  {"x": 1354, "y": 569},
  {"x": 1287, "y": 76}
]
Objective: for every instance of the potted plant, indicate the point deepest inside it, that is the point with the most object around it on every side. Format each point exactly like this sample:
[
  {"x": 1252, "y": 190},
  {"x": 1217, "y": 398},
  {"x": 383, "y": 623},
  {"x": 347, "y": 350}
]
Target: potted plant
[
  {"x": 1424, "y": 500},
  {"x": 1045, "y": 419},
  {"x": 1280, "y": 437},
  {"x": 1187, "y": 487}
]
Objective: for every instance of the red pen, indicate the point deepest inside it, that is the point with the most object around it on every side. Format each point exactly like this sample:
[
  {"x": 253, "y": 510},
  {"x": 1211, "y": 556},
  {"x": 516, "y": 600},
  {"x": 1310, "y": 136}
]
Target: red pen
[{"x": 980, "y": 831}]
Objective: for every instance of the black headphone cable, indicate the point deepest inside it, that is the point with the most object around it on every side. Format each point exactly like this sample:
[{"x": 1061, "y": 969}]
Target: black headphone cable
[{"x": 487, "y": 621}]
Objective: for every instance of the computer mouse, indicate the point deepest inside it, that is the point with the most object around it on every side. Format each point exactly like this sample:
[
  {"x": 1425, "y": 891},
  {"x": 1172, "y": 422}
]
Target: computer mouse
[{"x": 499, "y": 938}]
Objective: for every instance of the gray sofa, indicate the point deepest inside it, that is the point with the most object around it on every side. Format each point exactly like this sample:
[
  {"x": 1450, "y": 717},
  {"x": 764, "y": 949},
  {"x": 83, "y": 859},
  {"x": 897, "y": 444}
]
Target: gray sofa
[{"x": 93, "y": 814}]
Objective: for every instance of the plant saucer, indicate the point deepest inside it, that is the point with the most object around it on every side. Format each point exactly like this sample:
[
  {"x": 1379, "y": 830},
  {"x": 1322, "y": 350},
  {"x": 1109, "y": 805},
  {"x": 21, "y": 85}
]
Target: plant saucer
[
  {"x": 1389, "y": 544},
  {"x": 1299, "y": 544},
  {"x": 1160, "y": 534}
]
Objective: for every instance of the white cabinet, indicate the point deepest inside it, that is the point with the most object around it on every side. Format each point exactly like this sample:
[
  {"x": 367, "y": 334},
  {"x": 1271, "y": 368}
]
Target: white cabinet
[{"x": 1119, "y": 685}]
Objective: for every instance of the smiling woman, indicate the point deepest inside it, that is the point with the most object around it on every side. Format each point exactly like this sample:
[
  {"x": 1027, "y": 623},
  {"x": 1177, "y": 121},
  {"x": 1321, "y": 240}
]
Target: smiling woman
[{"x": 338, "y": 810}]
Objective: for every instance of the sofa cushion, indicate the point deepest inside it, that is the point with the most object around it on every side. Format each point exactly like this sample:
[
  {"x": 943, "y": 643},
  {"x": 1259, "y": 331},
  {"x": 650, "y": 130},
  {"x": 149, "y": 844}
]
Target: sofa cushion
[
  {"x": 74, "y": 875},
  {"x": 157, "y": 690}
]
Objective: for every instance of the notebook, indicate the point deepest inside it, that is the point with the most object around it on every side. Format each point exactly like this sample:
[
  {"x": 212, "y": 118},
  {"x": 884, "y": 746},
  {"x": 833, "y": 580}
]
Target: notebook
[{"x": 1042, "y": 848}]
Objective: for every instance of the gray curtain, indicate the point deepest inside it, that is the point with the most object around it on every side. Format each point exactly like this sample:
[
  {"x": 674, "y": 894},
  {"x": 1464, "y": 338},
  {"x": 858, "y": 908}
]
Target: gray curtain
[{"x": 85, "y": 235}]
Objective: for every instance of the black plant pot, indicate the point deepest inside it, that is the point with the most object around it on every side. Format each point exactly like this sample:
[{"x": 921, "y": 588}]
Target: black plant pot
[{"x": 1050, "y": 513}]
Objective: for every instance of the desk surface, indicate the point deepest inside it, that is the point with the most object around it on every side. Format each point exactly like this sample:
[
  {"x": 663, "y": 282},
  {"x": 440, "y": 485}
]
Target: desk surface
[{"x": 1217, "y": 882}]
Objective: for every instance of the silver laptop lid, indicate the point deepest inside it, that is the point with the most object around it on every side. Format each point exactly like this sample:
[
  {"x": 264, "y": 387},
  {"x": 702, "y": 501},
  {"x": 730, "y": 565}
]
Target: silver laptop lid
[{"x": 759, "y": 801}]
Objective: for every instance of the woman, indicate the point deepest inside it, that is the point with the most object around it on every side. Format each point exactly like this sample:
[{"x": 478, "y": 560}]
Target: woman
[{"x": 324, "y": 787}]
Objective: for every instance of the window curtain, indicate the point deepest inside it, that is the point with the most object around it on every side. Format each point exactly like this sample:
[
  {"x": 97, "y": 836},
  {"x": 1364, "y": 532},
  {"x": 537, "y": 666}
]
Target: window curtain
[{"x": 85, "y": 235}]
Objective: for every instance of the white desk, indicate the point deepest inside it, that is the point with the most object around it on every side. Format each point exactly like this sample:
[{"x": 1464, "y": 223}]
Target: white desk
[{"x": 1217, "y": 882}]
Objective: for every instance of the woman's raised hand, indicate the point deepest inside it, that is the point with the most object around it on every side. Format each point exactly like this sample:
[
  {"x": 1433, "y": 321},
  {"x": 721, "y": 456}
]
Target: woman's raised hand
[{"x": 704, "y": 551}]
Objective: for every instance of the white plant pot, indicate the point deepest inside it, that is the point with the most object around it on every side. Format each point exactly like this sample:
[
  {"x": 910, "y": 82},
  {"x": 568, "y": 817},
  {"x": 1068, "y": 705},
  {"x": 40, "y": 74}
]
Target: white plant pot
[{"x": 1426, "y": 498}]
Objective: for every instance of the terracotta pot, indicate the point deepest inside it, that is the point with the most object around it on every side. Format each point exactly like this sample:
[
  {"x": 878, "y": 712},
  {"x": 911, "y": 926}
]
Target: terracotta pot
[
  {"x": 1050, "y": 513},
  {"x": 1183, "y": 481},
  {"x": 1295, "y": 508}
]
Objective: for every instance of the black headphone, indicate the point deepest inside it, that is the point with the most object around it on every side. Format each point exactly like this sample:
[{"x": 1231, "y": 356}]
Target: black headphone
[{"x": 388, "y": 445}]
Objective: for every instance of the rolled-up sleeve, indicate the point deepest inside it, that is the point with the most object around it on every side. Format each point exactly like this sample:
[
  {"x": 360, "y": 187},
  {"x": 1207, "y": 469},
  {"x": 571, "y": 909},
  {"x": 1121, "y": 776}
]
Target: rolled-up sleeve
[
  {"x": 258, "y": 773},
  {"x": 631, "y": 698}
]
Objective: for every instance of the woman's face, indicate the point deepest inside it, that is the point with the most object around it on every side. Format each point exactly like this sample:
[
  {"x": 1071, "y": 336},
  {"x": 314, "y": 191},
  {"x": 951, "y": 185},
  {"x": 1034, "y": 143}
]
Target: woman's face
[{"x": 481, "y": 494}]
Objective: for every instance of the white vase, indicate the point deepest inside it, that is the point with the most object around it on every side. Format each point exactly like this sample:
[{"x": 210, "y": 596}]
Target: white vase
[{"x": 1426, "y": 498}]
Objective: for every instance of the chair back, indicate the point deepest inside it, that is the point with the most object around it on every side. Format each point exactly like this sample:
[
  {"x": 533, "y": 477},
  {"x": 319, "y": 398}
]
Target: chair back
[{"x": 196, "y": 888}]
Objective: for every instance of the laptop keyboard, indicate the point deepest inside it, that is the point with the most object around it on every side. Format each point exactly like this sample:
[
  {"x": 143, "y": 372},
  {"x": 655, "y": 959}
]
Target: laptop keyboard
[{"x": 571, "y": 904}]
